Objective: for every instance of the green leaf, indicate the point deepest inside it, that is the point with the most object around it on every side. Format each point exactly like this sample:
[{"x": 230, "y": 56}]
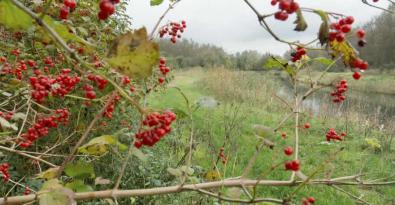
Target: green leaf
[
  {"x": 134, "y": 54},
  {"x": 12, "y": 17},
  {"x": 323, "y": 33},
  {"x": 100, "y": 145},
  {"x": 139, "y": 154},
  {"x": 263, "y": 131},
  {"x": 7, "y": 125},
  {"x": 53, "y": 193},
  {"x": 78, "y": 186},
  {"x": 273, "y": 63},
  {"x": 300, "y": 21},
  {"x": 156, "y": 2},
  {"x": 80, "y": 170},
  {"x": 63, "y": 31},
  {"x": 174, "y": 172},
  {"x": 324, "y": 61}
]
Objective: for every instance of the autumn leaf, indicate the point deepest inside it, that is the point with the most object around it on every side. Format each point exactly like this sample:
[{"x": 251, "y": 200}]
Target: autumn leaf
[{"x": 133, "y": 54}]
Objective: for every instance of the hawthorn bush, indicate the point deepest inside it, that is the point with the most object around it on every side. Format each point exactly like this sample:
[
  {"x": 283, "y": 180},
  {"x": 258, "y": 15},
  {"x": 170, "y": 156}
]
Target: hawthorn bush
[{"x": 73, "y": 111}]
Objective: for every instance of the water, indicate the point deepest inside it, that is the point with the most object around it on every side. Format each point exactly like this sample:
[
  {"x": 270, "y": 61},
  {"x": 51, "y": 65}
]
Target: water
[{"x": 380, "y": 107}]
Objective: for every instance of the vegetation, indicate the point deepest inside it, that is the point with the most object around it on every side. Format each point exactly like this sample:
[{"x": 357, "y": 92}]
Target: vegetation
[{"x": 91, "y": 113}]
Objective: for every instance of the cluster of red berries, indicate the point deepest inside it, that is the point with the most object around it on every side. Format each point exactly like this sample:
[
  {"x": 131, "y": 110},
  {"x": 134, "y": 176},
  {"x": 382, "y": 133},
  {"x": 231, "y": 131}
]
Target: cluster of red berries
[
  {"x": 222, "y": 156},
  {"x": 158, "y": 126},
  {"x": 340, "y": 29},
  {"x": 332, "y": 135},
  {"x": 16, "y": 70},
  {"x": 100, "y": 81},
  {"x": 174, "y": 30},
  {"x": 341, "y": 88},
  {"x": 298, "y": 54},
  {"x": 285, "y": 7},
  {"x": 7, "y": 116},
  {"x": 288, "y": 151},
  {"x": 163, "y": 69},
  {"x": 126, "y": 81},
  {"x": 293, "y": 165},
  {"x": 60, "y": 85},
  {"x": 361, "y": 65},
  {"x": 308, "y": 201},
  {"x": 65, "y": 9},
  {"x": 89, "y": 92},
  {"x": 4, "y": 170},
  {"x": 107, "y": 8},
  {"x": 111, "y": 106},
  {"x": 42, "y": 126}
]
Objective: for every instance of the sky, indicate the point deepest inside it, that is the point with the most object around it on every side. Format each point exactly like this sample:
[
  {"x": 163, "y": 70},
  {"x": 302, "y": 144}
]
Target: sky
[{"x": 232, "y": 25}]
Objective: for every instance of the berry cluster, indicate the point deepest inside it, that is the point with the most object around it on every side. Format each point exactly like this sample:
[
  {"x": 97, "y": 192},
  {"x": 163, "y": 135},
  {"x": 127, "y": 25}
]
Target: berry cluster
[
  {"x": 65, "y": 9},
  {"x": 174, "y": 30},
  {"x": 285, "y": 7},
  {"x": 16, "y": 70},
  {"x": 332, "y": 135},
  {"x": 111, "y": 106},
  {"x": 163, "y": 69},
  {"x": 100, "y": 81},
  {"x": 340, "y": 28},
  {"x": 42, "y": 126},
  {"x": 158, "y": 126},
  {"x": 4, "y": 171},
  {"x": 361, "y": 65},
  {"x": 293, "y": 165},
  {"x": 89, "y": 92},
  {"x": 8, "y": 116},
  {"x": 308, "y": 201},
  {"x": 222, "y": 156},
  {"x": 288, "y": 151},
  {"x": 298, "y": 54},
  {"x": 59, "y": 85},
  {"x": 341, "y": 88},
  {"x": 107, "y": 8}
]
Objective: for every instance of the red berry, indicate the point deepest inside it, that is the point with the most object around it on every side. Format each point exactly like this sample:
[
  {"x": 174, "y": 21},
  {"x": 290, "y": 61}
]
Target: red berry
[
  {"x": 70, "y": 3},
  {"x": 361, "y": 33},
  {"x": 349, "y": 20},
  {"x": 161, "y": 80},
  {"x": 283, "y": 135},
  {"x": 311, "y": 200},
  {"x": 346, "y": 28},
  {"x": 356, "y": 75},
  {"x": 307, "y": 125},
  {"x": 64, "y": 12},
  {"x": 288, "y": 151}
]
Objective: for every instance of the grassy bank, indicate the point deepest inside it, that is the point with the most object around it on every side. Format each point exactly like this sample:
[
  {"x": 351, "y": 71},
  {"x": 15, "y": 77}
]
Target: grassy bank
[{"x": 245, "y": 99}]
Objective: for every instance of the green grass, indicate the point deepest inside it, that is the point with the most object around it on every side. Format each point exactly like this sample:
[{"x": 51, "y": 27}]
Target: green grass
[{"x": 252, "y": 103}]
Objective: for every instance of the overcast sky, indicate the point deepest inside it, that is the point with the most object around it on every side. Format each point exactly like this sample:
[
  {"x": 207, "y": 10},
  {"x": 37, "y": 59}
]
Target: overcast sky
[{"x": 233, "y": 26}]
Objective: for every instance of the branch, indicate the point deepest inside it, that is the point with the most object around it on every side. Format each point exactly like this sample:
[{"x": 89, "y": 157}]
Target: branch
[
  {"x": 26, "y": 155},
  {"x": 186, "y": 187},
  {"x": 71, "y": 156},
  {"x": 377, "y": 7}
]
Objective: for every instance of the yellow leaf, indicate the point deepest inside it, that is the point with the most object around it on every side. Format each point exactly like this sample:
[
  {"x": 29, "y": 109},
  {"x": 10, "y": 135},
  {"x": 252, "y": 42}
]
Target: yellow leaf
[
  {"x": 133, "y": 54},
  {"x": 212, "y": 175},
  {"x": 344, "y": 48},
  {"x": 100, "y": 145},
  {"x": 48, "y": 174}
]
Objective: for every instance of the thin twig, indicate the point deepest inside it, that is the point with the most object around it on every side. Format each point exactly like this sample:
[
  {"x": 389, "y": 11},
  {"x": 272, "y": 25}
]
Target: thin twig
[{"x": 26, "y": 155}]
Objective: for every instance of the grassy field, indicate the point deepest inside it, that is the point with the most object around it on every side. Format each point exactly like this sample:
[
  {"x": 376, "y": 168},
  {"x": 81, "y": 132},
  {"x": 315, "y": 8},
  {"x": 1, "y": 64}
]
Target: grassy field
[{"x": 245, "y": 99}]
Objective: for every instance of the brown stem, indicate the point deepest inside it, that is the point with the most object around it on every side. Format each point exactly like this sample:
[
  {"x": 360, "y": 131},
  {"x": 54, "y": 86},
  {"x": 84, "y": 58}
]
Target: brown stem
[
  {"x": 99, "y": 115},
  {"x": 26, "y": 155}
]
